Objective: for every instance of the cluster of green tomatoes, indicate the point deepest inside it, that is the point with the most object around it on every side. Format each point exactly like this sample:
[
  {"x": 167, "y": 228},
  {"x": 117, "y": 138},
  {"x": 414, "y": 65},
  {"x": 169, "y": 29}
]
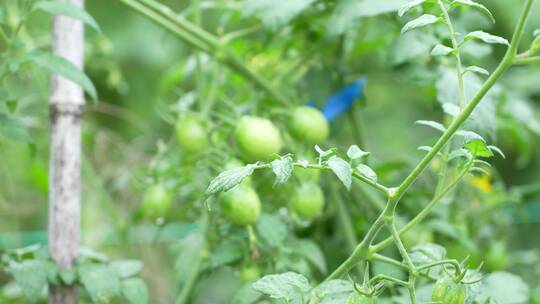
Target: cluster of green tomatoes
[{"x": 256, "y": 139}]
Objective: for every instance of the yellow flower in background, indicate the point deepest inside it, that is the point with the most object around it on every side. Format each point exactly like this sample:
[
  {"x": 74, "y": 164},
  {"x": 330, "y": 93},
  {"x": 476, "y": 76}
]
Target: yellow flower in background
[{"x": 482, "y": 182}]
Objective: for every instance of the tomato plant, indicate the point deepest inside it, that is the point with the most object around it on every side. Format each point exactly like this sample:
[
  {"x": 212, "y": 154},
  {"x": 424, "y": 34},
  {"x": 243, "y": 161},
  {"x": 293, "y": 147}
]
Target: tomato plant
[{"x": 259, "y": 151}]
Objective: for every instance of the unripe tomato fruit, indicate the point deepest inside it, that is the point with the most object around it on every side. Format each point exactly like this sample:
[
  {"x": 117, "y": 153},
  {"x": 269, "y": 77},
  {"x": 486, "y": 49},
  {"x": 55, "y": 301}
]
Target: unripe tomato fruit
[
  {"x": 250, "y": 273},
  {"x": 156, "y": 201},
  {"x": 258, "y": 138},
  {"x": 355, "y": 298},
  {"x": 308, "y": 201},
  {"x": 449, "y": 292},
  {"x": 241, "y": 205},
  {"x": 191, "y": 135},
  {"x": 496, "y": 256},
  {"x": 309, "y": 125}
]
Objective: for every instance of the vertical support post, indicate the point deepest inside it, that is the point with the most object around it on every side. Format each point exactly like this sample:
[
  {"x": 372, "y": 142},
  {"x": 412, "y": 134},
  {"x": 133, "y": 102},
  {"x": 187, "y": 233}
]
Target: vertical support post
[{"x": 66, "y": 103}]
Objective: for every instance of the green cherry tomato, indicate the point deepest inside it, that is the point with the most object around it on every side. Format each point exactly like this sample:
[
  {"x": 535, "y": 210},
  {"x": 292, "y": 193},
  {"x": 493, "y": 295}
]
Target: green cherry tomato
[
  {"x": 446, "y": 291},
  {"x": 308, "y": 201},
  {"x": 191, "y": 135},
  {"x": 241, "y": 205},
  {"x": 156, "y": 201},
  {"x": 258, "y": 138},
  {"x": 355, "y": 298},
  {"x": 309, "y": 125},
  {"x": 250, "y": 273},
  {"x": 497, "y": 256}
]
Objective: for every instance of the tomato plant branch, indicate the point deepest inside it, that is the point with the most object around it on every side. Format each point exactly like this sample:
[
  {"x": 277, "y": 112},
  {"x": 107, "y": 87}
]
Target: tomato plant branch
[
  {"x": 527, "y": 60},
  {"x": 426, "y": 211},
  {"x": 203, "y": 40},
  {"x": 383, "y": 277},
  {"x": 506, "y": 63},
  {"x": 395, "y": 194},
  {"x": 455, "y": 46}
]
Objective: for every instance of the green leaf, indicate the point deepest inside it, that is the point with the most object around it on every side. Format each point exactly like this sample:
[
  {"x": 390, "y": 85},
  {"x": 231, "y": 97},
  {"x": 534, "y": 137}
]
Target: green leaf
[
  {"x": 409, "y": 5},
  {"x": 333, "y": 291},
  {"x": 135, "y": 291},
  {"x": 64, "y": 68},
  {"x": 356, "y": 153},
  {"x": 342, "y": 170},
  {"x": 246, "y": 295},
  {"x": 324, "y": 153},
  {"x": 475, "y": 143},
  {"x": 13, "y": 129},
  {"x": 475, "y": 5},
  {"x": 427, "y": 253},
  {"x": 477, "y": 70},
  {"x": 535, "y": 45},
  {"x": 478, "y": 148},
  {"x": 271, "y": 230},
  {"x": 226, "y": 252},
  {"x": 459, "y": 153},
  {"x": 451, "y": 109},
  {"x": 497, "y": 150},
  {"x": 487, "y": 38},
  {"x": 484, "y": 117},
  {"x": 311, "y": 252},
  {"x": 275, "y": 14},
  {"x": 283, "y": 169},
  {"x": 503, "y": 287},
  {"x": 367, "y": 172},
  {"x": 92, "y": 255},
  {"x": 433, "y": 124},
  {"x": 126, "y": 268},
  {"x": 31, "y": 276},
  {"x": 66, "y": 9},
  {"x": 100, "y": 281},
  {"x": 441, "y": 50},
  {"x": 68, "y": 276},
  {"x": 348, "y": 12},
  {"x": 189, "y": 251},
  {"x": 536, "y": 33},
  {"x": 289, "y": 286},
  {"x": 419, "y": 22},
  {"x": 229, "y": 179}
]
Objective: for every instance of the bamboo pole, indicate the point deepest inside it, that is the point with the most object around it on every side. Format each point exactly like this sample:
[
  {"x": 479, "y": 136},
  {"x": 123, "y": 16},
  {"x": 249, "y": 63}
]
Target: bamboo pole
[{"x": 66, "y": 103}]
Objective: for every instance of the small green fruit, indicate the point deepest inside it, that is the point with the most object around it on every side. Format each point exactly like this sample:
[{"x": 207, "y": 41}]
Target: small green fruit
[
  {"x": 258, "y": 138},
  {"x": 308, "y": 201},
  {"x": 241, "y": 205},
  {"x": 191, "y": 135},
  {"x": 309, "y": 125},
  {"x": 156, "y": 201},
  {"x": 446, "y": 291},
  {"x": 496, "y": 256},
  {"x": 250, "y": 273}
]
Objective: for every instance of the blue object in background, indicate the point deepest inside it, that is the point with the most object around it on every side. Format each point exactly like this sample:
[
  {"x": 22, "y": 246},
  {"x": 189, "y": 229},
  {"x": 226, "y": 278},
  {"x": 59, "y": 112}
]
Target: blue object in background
[{"x": 342, "y": 100}]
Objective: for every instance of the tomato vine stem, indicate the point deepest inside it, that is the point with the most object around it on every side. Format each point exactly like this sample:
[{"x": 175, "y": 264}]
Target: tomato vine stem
[{"x": 203, "y": 40}]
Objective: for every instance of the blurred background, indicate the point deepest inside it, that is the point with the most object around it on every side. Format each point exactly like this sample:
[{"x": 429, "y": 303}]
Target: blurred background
[{"x": 145, "y": 77}]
